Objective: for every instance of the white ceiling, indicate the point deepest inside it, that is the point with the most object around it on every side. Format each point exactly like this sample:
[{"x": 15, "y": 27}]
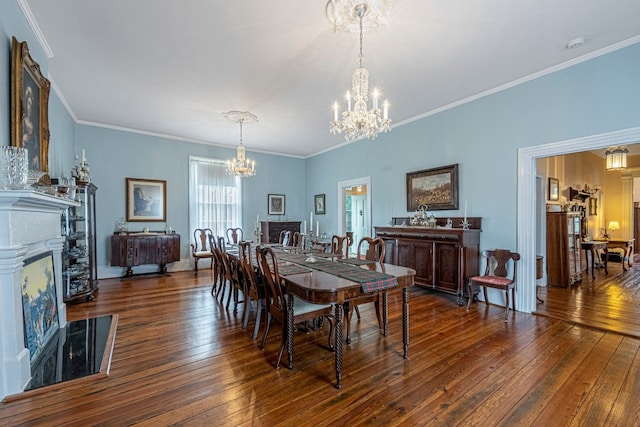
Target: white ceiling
[{"x": 172, "y": 67}]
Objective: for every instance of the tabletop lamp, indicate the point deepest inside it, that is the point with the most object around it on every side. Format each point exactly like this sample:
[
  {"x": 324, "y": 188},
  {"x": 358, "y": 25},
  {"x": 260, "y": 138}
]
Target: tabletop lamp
[{"x": 613, "y": 226}]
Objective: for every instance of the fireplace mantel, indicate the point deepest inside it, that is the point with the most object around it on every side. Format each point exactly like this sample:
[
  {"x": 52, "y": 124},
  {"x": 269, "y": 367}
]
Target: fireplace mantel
[{"x": 29, "y": 225}]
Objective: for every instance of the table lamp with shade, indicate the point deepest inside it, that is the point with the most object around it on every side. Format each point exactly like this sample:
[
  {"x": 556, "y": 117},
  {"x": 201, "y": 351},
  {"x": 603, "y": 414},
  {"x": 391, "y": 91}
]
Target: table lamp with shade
[{"x": 613, "y": 226}]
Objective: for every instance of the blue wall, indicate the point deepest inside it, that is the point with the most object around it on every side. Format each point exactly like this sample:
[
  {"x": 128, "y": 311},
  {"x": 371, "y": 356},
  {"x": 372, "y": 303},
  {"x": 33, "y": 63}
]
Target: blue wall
[{"x": 482, "y": 136}]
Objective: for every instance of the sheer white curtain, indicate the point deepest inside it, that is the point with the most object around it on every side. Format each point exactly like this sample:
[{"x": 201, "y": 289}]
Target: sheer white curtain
[{"x": 215, "y": 198}]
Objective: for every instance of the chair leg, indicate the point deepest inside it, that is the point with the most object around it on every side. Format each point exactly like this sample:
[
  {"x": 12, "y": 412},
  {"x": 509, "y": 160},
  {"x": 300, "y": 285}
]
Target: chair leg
[
  {"x": 357, "y": 311},
  {"x": 245, "y": 315},
  {"x": 349, "y": 310},
  {"x": 506, "y": 306},
  {"x": 331, "y": 331},
  {"x": 196, "y": 263},
  {"x": 266, "y": 331},
  {"x": 486, "y": 298},
  {"x": 470, "y": 291},
  {"x": 256, "y": 328}
]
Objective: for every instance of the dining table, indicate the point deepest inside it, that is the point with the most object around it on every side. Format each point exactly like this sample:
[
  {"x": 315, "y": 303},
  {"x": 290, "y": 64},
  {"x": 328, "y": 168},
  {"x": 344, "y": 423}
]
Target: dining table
[{"x": 327, "y": 281}]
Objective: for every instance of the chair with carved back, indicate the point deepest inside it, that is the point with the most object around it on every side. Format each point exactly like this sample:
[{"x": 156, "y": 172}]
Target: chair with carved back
[
  {"x": 220, "y": 271},
  {"x": 349, "y": 240},
  {"x": 276, "y": 304},
  {"x": 285, "y": 238},
  {"x": 254, "y": 288},
  {"x": 375, "y": 251},
  {"x": 201, "y": 249},
  {"x": 497, "y": 276},
  {"x": 298, "y": 240},
  {"x": 234, "y": 235},
  {"x": 340, "y": 246},
  {"x": 232, "y": 275}
]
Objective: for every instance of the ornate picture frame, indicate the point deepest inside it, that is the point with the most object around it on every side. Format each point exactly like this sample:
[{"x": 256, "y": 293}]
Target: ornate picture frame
[
  {"x": 554, "y": 192},
  {"x": 276, "y": 204},
  {"x": 29, "y": 106},
  {"x": 146, "y": 200},
  {"x": 437, "y": 188},
  {"x": 319, "y": 204}
]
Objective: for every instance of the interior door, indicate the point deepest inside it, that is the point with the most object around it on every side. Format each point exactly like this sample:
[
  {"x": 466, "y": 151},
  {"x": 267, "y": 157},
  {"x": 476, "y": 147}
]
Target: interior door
[{"x": 359, "y": 219}]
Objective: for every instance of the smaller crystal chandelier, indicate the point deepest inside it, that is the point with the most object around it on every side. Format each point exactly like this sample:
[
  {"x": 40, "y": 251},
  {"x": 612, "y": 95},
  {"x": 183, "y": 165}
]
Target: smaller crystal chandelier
[
  {"x": 360, "y": 122},
  {"x": 616, "y": 158},
  {"x": 240, "y": 165}
]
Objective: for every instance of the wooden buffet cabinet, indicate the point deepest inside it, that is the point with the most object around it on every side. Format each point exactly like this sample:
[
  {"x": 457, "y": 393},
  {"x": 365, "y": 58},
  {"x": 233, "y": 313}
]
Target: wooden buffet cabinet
[
  {"x": 133, "y": 249},
  {"x": 443, "y": 258},
  {"x": 271, "y": 229}
]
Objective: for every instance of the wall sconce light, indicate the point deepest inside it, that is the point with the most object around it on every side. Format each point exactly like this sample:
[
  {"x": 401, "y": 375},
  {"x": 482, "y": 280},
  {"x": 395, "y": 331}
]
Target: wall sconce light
[{"x": 616, "y": 158}]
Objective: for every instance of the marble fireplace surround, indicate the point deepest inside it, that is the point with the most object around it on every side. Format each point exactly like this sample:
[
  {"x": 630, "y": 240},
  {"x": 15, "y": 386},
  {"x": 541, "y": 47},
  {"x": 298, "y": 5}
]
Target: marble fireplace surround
[{"x": 29, "y": 226}]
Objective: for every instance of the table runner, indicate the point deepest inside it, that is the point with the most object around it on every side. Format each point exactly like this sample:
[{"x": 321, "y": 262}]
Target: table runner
[
  {"x": 370, "y": 281},
  {"x": 357, "y": 261}
]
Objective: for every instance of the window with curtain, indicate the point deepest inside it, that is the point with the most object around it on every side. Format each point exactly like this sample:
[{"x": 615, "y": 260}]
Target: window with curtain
[{"x": 215, "y": 198}]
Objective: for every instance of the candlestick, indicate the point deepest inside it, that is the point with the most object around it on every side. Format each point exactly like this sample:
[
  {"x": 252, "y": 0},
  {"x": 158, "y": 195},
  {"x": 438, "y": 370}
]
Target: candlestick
[
  {"x": 304, "y": 227},
  {"x": 311, "y": 222},
  {"x": 335, "y": 111},
  {"x": 318, "y": 229},
  {"x": 84, "y": 159},
  {"x": 465, "y": 210}
]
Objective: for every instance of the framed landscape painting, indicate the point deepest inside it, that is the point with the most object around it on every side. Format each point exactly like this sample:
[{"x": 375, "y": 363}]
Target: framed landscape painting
[{"x": 436, "y": 188}]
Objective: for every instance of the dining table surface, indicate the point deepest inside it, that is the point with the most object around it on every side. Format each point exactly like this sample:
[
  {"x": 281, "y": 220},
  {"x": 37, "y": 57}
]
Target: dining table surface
[{"x": 337, "y": 281}]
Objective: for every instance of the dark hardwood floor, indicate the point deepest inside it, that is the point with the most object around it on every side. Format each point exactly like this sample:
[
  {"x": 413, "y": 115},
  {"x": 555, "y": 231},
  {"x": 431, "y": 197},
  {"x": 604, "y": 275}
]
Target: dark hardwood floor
[{"x": 180, "y": 358}]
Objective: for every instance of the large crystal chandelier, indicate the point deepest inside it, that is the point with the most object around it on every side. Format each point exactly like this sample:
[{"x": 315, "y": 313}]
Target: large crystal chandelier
[
  {"x": 240, "y": 165},
  {"x": 360, "y": 121}
]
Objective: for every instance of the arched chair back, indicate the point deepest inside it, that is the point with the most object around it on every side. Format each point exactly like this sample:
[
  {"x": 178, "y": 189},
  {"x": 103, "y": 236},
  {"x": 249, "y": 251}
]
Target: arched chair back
[
  {"x": 234, "y": 235},
  {"x": 374, "y": 251},
  {"x": 298, "y": 240},
  {"x": 253, "y": 286},
  {"x": 500, "y": 273},
  {"x": 285, "y": 238},
  {"x": 340, "y": 246},
  {"x": 200, "y": 248}
]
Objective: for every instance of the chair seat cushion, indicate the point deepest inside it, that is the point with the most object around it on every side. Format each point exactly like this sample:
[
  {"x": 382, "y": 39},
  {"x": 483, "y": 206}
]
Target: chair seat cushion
[
  {"x": 203, "y": 254},
  {"x": 492, "y": 281},
  {"x": 301, "y": 306}
]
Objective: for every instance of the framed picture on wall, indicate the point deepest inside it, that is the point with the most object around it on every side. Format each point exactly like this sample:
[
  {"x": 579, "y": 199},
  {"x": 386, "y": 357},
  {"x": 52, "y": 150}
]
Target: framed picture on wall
[
  {"x": 319, "y": 200},
  {"x": 436, "y": 188},
  {"x": 554, "y": 192},
  {"x": 146, "y": 200},
  {"x": 29, "y": 107},
  {"x": 276, "y": 204}
]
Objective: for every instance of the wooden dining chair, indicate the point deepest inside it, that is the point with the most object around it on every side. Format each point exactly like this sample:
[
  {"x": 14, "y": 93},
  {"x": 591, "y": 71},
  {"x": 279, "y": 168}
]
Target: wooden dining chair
[
  {"x": 276, "y": 304},
  {"x": 298, "y": 240},
  {"x": 234, "y": 235},
  {"x": 201, "y": 248},
  {"x": 340, "y": 246},
  {"x": 497, "y": 276},
  {"x": 285, "y": 238},
  {"x": 372, "y": 250},
  {"x": 254, "y": 288}
]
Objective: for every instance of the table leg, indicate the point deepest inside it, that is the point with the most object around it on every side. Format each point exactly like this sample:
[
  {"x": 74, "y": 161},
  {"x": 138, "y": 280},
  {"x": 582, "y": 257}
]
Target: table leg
[
  {"x": 405, "y": 321},
  {"x": 628, "y": 252},
  {"x": 593, "y": 262},
  {"x": 606, "y": 259},
  {"x": 339, "y": 309},
  {"x": 385, "y": 313},
  {"x": 290, "y": 329}
]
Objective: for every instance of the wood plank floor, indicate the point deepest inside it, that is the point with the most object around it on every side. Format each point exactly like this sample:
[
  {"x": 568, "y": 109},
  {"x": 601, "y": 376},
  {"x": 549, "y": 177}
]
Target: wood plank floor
[{"x": 180, "y": 358}]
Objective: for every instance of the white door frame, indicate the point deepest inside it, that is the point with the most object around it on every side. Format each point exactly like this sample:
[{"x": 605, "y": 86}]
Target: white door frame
[
  {"x": 341, "y": 187},
  {"x": 526, "y": 200}
]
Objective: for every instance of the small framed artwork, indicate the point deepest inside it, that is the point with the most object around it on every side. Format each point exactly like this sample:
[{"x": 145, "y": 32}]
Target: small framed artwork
[
  {"x": 593, "y": 206},
  {"x": 436, "y": 188},
  {"x": 319, "y": 204},
  {"x": 554, "y": 194},
  {"x": 146, "y": 200},
  {"x": 29, "y": 107},
  {"x": 276, "y": 204}
]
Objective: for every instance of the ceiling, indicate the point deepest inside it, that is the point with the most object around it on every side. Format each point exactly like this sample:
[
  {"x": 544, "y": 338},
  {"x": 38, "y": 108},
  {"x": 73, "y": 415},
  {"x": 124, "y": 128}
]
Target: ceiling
[{"x": 172, "y": 68}]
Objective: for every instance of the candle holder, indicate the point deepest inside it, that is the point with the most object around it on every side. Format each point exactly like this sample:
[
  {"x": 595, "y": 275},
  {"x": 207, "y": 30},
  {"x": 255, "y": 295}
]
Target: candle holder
[
  {"x": 465, "y": 224},
  {"x": 81, "y": 173},
  {"x": 258, "y": 233}
]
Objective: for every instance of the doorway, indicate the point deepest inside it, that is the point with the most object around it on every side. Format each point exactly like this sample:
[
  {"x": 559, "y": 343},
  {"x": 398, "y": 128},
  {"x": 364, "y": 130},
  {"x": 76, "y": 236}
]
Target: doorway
[
  {"x": 526, "y": 200},
  {"x": 354, "y": 209}
]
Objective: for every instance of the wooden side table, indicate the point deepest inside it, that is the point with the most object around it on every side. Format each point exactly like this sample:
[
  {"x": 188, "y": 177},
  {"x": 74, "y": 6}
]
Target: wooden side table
[
  {"x": 593, "y": 247},
  {"x": 626, "y": 245}
]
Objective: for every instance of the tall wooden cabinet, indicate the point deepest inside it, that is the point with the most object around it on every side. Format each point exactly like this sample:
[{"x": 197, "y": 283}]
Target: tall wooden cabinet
[
  {"x": 563, "y": 248},
  {"x": 79, "y": 261},
  {"x": 443, "y": 258}
]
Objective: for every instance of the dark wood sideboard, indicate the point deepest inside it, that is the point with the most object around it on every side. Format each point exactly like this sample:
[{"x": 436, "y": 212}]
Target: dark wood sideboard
[
  {"x": 133, "y": 249},
  {"x": 444, "y": 258},
  {"x": 271, "y": 229}
]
